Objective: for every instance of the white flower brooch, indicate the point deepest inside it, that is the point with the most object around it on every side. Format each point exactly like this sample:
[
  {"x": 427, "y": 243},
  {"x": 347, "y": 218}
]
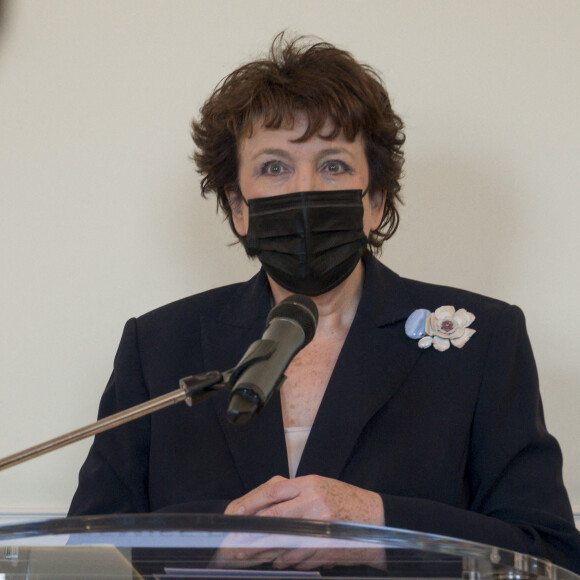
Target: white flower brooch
[{"x": 441, "y": 328}]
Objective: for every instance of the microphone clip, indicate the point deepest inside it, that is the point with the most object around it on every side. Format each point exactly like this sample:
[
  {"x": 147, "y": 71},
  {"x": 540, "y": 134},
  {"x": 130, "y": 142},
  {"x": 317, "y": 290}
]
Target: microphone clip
[
  {"x": 198, "y": 388},
  {"x": 246, "y": 402}
]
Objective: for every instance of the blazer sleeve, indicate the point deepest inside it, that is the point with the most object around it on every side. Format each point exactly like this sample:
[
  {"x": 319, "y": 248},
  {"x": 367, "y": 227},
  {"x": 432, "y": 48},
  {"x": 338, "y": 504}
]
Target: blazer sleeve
[
  {"x": 518, "y": 498},
  {"x": 114, "y": 476}
]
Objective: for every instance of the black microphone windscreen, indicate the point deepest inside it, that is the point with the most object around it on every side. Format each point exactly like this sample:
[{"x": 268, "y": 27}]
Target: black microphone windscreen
[{"x": 299, "y": 308}]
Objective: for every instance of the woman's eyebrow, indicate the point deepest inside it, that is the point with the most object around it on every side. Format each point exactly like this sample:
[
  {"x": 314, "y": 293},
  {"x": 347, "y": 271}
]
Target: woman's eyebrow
[
  {"x": 282, "y": 153},
  {"x": 334, "y": 151},
  {"x": 268, "y": 151}
]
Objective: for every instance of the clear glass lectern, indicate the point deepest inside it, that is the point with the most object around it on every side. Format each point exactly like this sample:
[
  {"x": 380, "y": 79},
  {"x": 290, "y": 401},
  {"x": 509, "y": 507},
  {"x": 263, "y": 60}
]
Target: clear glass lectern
[{"x": 172, "y": 547}]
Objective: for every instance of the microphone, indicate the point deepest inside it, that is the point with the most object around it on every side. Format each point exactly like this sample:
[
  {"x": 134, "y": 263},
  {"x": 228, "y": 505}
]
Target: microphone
[{"x": 290, "y": 326}]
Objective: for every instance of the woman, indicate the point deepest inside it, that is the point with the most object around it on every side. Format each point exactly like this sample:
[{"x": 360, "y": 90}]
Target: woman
[{"x": 414, "y": 406}]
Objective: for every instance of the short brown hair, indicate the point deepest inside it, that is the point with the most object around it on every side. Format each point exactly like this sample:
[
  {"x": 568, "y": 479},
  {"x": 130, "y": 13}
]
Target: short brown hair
[{"x": 308, "y": 77}]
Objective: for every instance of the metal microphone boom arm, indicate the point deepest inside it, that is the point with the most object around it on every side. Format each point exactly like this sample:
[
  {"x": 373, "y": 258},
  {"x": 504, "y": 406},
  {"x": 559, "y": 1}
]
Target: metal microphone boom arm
[{"x": 193, "y": 389}]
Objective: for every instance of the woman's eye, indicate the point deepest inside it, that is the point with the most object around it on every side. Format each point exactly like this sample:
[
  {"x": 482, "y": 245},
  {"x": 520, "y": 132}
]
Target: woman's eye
[
  {"x": 273, "y": 168},
  {"x": 336, "y": 166}
]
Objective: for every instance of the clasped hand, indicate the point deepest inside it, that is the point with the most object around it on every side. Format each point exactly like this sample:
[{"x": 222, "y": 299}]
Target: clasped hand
[
  {"x": 311, "y": 497},
  {"x": 307, "y": 497}
]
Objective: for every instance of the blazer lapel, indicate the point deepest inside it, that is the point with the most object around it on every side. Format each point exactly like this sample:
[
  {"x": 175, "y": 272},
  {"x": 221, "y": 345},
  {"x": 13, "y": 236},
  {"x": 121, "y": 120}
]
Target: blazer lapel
[
  {"x": 376, "y": 358},
  {"x": 258, "y": 448}
]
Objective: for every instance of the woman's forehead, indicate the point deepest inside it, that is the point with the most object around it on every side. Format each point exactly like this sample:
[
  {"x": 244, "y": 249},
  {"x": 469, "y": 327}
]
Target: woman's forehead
[{"x": 295, "y": 127}]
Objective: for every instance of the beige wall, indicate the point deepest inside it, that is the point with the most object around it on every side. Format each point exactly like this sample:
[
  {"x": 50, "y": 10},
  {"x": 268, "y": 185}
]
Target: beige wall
[{"x": 100, "y": 214}]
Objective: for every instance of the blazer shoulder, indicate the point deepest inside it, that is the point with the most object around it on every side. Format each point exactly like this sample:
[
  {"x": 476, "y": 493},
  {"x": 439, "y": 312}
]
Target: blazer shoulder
[
  {"x": 432, "y": 296},
  {"x": 204, "y": 302},
  {"x": 231, "y": 303}
]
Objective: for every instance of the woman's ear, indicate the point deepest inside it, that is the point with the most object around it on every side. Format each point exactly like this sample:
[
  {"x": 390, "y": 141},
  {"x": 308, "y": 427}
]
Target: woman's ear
[
  {"x": 378, "y": 200},
  {"x": 239, "y": 209}
]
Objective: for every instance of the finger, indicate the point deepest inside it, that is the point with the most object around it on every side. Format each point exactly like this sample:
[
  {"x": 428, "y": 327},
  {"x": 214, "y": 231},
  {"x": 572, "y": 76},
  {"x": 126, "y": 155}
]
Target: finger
[
  {"x": 302, "y": 506},
  {"x": 269, "y": 494},
  {"x": 293, "y": 558},
  {"x": 322, "y": 559},
  {"x": 329, "y": 558},
  {"x": 244, "y": 558},
  {"x": 235, "y": 505},
  {"x": 292, "y": 508},
  {"x": 266, "y": 556},
  {"x": 256, "y": 557}
]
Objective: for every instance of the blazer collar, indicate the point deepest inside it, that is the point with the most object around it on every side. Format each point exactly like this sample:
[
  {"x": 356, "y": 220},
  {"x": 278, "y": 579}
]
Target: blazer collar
[
  {"x": 249, "y": 305},
  {"x": 385, "y": 299}
]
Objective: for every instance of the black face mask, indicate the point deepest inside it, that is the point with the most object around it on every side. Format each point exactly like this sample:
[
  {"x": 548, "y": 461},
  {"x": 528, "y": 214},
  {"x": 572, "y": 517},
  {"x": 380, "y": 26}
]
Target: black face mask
[{"x": 308, "y": 242}]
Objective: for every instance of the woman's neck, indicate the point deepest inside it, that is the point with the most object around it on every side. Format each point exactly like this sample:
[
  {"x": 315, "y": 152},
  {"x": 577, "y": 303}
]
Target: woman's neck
[{"x": 337, "y": 308}]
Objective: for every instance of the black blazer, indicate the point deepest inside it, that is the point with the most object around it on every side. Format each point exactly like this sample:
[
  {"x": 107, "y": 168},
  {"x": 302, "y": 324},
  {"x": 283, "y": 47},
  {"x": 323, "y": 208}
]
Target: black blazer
[{"x": 454, "y": 441}]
